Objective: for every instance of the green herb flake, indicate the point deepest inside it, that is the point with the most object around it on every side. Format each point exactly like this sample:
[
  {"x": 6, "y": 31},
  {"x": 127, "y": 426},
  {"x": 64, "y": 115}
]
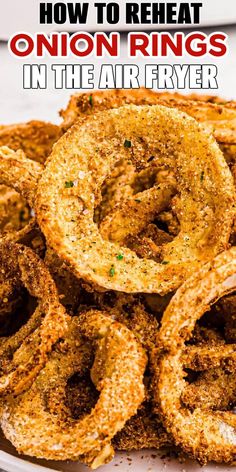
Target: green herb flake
[
  {"x": 69, "y": 184},
  {"x": 127, "y": 143},
  {"x": 91, "y": 100},
  {"x": 112, "y": 271},
  {"x": 137, "y": 200},
  {"x": 119, "y": 257},
  {"x": 202, "y": 176},
  {"x": 164, "y": 262}
]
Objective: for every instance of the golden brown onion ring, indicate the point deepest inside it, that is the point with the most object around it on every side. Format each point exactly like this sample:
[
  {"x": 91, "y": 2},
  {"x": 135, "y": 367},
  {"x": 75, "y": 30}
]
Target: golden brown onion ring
[
  {"x": 84, "y": 104},
  {"x": 215, "y": 113},
  {"x": 205, "y": 435},
  {"x": 19, "y": 172},
  {"x": 220, "y": 120},
  {"x": 14, "y": 212},
  {"x": 214, "y": 389},
  {"x": 23, "y": 174},
  {"x": 206, "y": 357},
  {"x": 34, "y": 138},
  {"x": 131, "y": 216},
  {"x": 82, "y": 159},
  {"x": 68, "y": 286},
  {"x": 10, "y": 289},
  {"x": 117, "y": 188},
  {"x": 117, "y": 372},
  {"x": 29, "y": 352}
]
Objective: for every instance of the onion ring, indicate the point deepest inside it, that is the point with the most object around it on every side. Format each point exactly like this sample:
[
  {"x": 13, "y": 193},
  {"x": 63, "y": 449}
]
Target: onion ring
[
  {"x": 116, "y": 189},
  {"x": 118, "y": 367},
  {"x": 220, "y": 120},
  {"x": 216, "y": 114},
  {"x": 14, "y": 212},
  {"x": 34, "y": 138},
  {"x": 85, "y": 104},
  {"x": 206, "y": 357},
  {"x": 68, "y": 286},
  {"x": 23, "y": 266},
  {"x": 10, "y": 289},
  {"x": 129, "y": 222},
  {"x": 19, "y": 172},
  {"x": 132, "y": 215},
  {"x": 213, "y": 389},
  {"x": 204, "y": 434},
  {"x": 144, "y": 429},
  {"x": 80, "y": 162},
  {"x": 23, "y": 174}
]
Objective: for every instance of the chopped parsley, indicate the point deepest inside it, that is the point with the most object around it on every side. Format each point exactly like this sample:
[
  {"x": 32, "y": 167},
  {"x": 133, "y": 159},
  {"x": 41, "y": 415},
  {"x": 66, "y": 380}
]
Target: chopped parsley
[
  {"x": 137, "y": 200},
  {"x": 119, "y": 257},
  {"x": 202, "y": 176},
  {"x": 164, "y": 262},
  {"x": 91, "y": 100},
  {"x": 69, "y": 184},
  {"x": 112, "y": 271},
  {"x": 127, "y": 143}
]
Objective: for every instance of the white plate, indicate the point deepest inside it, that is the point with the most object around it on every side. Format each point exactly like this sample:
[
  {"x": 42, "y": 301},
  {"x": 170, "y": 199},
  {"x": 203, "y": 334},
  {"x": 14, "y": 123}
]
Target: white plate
[{"x": 142, "y": 461}]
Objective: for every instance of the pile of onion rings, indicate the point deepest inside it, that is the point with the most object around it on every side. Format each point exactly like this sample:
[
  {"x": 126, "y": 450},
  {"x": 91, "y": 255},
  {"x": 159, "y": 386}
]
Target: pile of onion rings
[{"x": 118, "y": 278}]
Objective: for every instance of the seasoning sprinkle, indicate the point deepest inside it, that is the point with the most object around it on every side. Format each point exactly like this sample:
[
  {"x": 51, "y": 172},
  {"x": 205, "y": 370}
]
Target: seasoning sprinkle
[
  {"x": 127, "y": 143},
  {"x": 119, "y": 257},
  {"x": 112, "y": 271},
  {"x": 69, "y": 184}
]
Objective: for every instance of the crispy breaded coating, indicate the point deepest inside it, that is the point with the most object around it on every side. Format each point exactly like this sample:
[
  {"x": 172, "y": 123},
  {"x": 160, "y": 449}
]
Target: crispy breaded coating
[
  {"x": 206, "y": 196},
  {"x": 214, "y": 389},
  {"x": 83, "y": 104},
  {"x": 38, "y": 423},
  {"x": 35, "y": 138}
]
